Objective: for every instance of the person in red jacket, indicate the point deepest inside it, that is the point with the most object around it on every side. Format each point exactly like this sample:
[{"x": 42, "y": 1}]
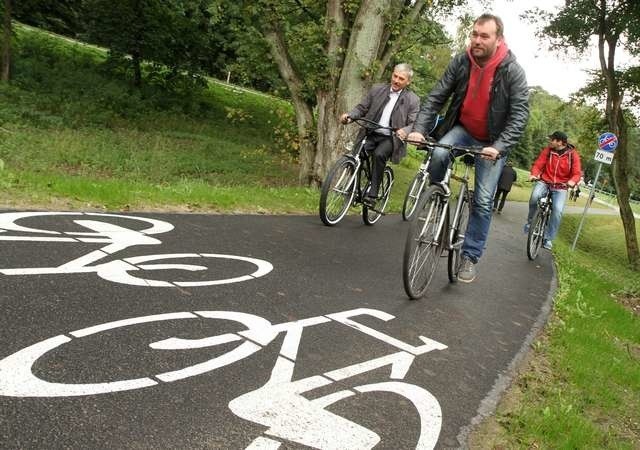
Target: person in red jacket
[{"x": 556, "y": 168}]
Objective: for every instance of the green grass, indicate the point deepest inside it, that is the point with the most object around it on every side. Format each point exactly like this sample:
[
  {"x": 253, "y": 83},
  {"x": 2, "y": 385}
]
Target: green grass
[{"x": 581, "y": 388}]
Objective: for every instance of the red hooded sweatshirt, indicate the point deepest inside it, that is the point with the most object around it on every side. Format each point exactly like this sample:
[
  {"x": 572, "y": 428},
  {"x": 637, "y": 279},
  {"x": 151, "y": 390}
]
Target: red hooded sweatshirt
[
  {"x": 558, "y": 167},
  {"x": 474, "y": 112}
]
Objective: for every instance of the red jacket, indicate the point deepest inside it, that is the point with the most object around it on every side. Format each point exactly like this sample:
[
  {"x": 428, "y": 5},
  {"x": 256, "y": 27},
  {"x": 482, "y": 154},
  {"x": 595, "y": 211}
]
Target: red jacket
[{"x": 554, "y": 167}]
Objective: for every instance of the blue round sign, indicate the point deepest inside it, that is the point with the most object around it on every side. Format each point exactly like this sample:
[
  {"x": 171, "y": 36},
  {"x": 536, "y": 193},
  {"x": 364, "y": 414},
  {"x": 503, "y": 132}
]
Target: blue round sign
[{"x": 607, "y": 142}]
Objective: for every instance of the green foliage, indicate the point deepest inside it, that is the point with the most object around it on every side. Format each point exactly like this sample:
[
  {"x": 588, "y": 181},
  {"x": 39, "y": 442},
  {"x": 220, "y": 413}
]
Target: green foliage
[
  {"x": 549, "y": 113},
  {"x": 60, "y": 16},
  {"x": 173, "y": 35}
]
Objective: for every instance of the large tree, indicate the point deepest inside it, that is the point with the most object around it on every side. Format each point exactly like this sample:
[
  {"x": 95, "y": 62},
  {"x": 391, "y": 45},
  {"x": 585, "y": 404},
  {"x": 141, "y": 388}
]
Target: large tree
[
  {"x": 329, "y": 53},
  {"x": 168, "y": 35},
  {"x": 616, "y": 25}
]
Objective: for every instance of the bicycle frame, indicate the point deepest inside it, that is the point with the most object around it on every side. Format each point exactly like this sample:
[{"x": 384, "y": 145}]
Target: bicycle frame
[
  {"x": 445, "y": 184},
  {"x": 464, "y": 188}
]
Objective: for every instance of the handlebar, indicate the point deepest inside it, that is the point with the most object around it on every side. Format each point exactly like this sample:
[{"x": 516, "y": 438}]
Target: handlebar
[
  {"x": 430, "y": 144},
  {"x": 370, "y": 124},
  {"x": 550, "y": 184}
]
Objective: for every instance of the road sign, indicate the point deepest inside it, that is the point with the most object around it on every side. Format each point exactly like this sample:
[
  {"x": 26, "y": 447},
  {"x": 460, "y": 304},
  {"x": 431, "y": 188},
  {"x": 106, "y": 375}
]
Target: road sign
[{"x": 607, "y": 143}]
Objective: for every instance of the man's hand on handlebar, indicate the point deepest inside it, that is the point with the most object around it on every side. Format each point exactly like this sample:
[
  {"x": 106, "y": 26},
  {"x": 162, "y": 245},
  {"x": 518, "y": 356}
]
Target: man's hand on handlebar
[
  {"x": 345, "y": 119},
  {"x": 414, "y": 136},
  {"x": 490, "y": 153}
]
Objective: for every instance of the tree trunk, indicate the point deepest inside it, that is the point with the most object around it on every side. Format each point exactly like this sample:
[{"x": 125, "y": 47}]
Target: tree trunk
[
  {"x": 6, "y": 42},
  {"x": 363, "y": 48},
  {"x": 304, "y": 114},
  {"x": 356, "y": 76},
  {"x": 334, "y": 139},
  {"x": 621, "y": 176},
  {"x": 617, "y": 125},
  {"x": 390, "y": 50},
  {"x": 137, "y": 70},
  {"x": 351, "y": 55}
]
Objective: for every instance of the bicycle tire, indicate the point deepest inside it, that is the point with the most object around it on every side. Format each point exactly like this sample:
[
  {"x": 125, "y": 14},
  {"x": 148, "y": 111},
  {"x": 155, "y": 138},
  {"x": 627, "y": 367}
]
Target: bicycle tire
[
  {"x": 536, "y": 234},
  {"x": 412, "y": 197},
  {"x": 459, "y": 230},
  {"x": 371, "y": 216},
  {"x": 422, "y": 251},
  {"x": 337, "y": 191}
]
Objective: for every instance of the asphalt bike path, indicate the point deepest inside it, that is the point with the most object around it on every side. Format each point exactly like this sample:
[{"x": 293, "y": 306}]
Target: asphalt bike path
[{"x": 257, "y": 332}]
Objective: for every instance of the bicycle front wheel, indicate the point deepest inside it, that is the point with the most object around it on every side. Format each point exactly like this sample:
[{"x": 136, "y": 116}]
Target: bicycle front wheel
[
  {"x": 424, "y": 243},
  {"x": 459, "y": 228},
  {"x": 371, "y": 216},
  {"x": 413, "y": 195},
  {"x": 337, "y": 191},
  {"x": 536, "y": 234}
]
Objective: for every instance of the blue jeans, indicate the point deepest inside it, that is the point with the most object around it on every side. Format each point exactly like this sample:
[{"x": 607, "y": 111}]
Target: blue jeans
[
  {"x": 558, "y": 197},
  {"x": 487, "y": 174}
]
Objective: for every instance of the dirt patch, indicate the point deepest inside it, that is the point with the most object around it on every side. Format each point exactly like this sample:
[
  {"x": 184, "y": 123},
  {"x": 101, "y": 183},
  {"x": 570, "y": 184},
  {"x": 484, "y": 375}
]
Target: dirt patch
[{"x": 630, "y": 302}]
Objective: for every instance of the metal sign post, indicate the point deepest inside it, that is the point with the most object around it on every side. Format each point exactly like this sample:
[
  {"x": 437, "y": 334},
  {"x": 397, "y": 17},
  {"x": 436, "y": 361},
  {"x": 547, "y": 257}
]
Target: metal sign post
[{"x": 607, "y": 143}]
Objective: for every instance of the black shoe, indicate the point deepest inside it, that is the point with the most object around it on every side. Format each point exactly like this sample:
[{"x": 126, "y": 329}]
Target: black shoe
[{"x": 369, "y": 202}]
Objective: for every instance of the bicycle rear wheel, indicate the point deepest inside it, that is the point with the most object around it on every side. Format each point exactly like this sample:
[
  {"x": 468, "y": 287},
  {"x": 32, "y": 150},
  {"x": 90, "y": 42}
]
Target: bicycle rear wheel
[
  {"x": 413, "y": 195},
  {"x": 459, "y": 229},
  {"x": 423, "y": 245},
  {"x": 536, "y": 234},
  {"x": 371, "y": 216},
  {"x": 337, "y": 191}
]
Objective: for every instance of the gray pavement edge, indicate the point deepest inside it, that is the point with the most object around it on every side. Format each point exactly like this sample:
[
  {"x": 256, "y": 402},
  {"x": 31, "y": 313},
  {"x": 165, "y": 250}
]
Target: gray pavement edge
[{"x": 489, "y": 404}]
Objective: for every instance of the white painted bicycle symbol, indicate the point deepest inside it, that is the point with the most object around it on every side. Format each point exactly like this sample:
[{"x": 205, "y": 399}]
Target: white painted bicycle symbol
[
  {"x": 279, "y": 405},
  {"x": 117, "y": 238}
]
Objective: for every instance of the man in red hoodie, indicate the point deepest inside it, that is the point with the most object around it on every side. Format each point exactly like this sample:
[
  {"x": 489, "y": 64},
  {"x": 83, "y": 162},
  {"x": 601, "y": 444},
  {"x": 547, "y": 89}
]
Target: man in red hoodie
[
  {"x": 556, "y": 168},
  {"x": 488, "y": 107}
]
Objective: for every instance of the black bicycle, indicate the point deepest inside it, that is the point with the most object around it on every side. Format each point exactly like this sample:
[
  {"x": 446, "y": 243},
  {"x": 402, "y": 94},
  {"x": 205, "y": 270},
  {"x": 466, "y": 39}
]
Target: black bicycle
[
  {"x": 438, "y": 225},
  {"x": 540, "y": 221},
  {"x": 349, "y": 180}
]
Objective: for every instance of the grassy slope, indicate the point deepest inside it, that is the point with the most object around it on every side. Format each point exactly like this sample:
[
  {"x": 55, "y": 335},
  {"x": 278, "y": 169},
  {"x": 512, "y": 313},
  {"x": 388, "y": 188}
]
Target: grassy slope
[{"x": 74, "y": 135}]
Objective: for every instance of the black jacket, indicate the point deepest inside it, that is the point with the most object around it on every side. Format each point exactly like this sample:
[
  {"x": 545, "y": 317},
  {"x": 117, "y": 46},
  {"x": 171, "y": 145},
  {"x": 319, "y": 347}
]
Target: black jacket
[
  {"x": 507, "y": 177},
  {"x": 508, "y": 112}
]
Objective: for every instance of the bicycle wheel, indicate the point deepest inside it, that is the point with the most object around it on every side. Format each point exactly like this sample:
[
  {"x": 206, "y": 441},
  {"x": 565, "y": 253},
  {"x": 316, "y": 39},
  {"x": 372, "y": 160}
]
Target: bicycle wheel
[
  {"x": 337, "y": 191},
  {"x": 413, "y": 195},
  {"x": 423, "y": 245},
  {"x": 459, "y": 230},
  {"x": 536, "y": 234},
  {"x": 371, "y": 216}
]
